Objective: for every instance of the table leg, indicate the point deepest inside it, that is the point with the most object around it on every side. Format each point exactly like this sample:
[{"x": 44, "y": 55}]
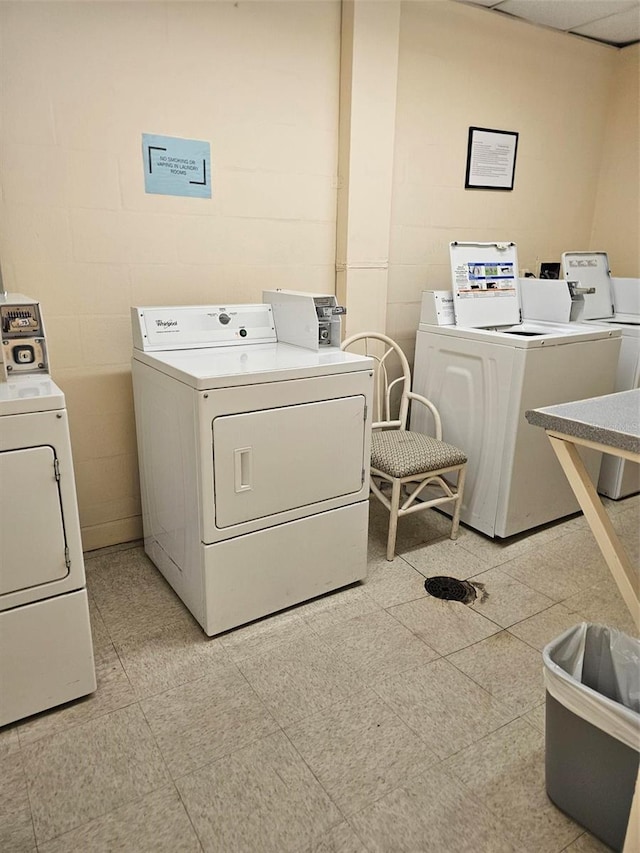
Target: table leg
[
  {"x": 632, "y": 838},
  {"x": 600, "y": 523},
  {"x": 619, "y": 565}
]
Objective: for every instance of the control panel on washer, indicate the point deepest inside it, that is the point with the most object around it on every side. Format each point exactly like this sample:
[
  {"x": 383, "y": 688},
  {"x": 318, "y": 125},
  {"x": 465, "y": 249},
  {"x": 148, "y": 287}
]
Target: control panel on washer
[{"x": 23, "y": 342}]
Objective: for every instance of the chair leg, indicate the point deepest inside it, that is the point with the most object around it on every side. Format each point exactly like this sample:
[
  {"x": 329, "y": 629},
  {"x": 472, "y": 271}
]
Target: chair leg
[
  {"x": 456, "y": 515},
  {"x": 393, "y": 519}
]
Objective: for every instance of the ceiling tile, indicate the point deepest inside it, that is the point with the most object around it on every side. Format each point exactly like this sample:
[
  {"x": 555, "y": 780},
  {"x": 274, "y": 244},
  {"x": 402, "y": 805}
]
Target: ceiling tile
[
  {"x": 618, "y": 29},
  {"x": 610, "y": 21},
  {"x": 566, "y": 14}
]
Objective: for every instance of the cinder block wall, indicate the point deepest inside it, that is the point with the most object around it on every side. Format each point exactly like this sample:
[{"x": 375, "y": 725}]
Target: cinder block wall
[
  {"x": 462, "y": 66},
  {"x": 81, "y": 83}
]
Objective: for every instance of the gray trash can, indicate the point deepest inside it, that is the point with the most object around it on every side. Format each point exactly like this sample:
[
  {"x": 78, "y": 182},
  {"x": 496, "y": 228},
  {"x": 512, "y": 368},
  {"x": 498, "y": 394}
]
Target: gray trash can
[{"x": 592, "y": 680}]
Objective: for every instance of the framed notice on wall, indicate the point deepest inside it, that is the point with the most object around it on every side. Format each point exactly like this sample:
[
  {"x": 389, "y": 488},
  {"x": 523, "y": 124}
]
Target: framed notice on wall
[{"x": 491, "y": 159}]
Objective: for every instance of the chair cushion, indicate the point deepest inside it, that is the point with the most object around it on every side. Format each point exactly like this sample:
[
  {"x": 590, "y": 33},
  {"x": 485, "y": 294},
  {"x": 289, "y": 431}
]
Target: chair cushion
[{"x": 401, "y": 453}]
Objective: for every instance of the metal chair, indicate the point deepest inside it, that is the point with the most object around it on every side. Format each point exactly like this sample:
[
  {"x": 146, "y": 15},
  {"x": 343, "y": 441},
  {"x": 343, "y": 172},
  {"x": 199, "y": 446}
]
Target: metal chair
[{"x": 408, "y": 461}]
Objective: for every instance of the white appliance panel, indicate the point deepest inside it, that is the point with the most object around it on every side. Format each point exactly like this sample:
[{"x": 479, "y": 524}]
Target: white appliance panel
[
  {"x": 29, "y": 394},
  {"x": 223, "y": 367},
  {"x": 484, "y": 281},
  {"x": 621, "y": 477},
  {"x": 313, "y": 555},
  {"x": 482, "y": 390},
  {"x": 25, "y": 432},
  {"x": 626, "y": 298},
  {"x": 165, "y": 487},
  {"x": 183, "y": 327},
  {"x": 302, "y": 550},
  {"x": 545, "y": 299},
  {"x": 271, "y": 461},
  {"x": 530, "y": 335},
  {"x": 591, "y": 270},
  {"x": 46, "y": 652},
  {"x": 615, "y": 304},
  {"x": 470, "y": 387},
  {"x": 264, "y": 398},
  {"x": 34, "y": 553},
  {"x": 46, "y": 655},
  {"x": 534, "y": 489}
]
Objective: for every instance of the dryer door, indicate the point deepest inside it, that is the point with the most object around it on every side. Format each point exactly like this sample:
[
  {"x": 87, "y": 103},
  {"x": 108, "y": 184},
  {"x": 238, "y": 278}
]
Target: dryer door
[
  {"x": 273, "y": 460},
  {"x": 32, "y": 538}
]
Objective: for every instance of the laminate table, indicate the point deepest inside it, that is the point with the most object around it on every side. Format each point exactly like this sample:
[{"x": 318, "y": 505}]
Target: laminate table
[{"x": 610, "y": 424}]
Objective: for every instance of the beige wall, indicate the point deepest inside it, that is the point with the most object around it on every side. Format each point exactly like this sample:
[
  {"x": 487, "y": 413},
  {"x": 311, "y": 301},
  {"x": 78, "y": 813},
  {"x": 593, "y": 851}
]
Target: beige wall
[
  {"x": 81, "y": 83},
  {"x": 260, "y": 80},
  {"x": 616, "y": 222},
  {"x": 368, "y": 85},
  {"x": 461, "y": 66}
]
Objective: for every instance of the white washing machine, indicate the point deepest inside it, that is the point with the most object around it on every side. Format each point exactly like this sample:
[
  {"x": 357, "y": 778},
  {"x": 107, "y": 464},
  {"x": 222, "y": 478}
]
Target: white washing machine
[
  {"x": 484, "y": 375},
  {"x": 615, "y": 302},
  {"x": 254, "y": 460},
  {"x": 46, "y": 653}
]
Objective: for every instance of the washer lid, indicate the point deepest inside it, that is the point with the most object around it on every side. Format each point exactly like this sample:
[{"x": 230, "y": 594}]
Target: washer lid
[
  {"x": 626, "y": 296},
  {"x": 591, "y": 269},
  {"x": 484, "y": 281},
  {"x": 223, "y": 367},
  {"x": 26, "y": 394},
  {"x": 529, "y": 335}
]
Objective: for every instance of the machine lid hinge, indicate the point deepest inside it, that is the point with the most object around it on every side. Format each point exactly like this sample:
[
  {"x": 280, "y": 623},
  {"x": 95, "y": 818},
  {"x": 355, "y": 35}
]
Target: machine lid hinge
[
  {"x": 67, "y": 559},
  {"x": 365, "y": 412},
  {"x": 362, "y": 477},
  {"x": 520, "y": 314},
  {"x": 56, "y": 469}
]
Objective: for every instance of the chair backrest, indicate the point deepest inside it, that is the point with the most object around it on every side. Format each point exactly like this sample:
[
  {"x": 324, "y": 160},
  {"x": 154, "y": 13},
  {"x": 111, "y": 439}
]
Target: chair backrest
[{"x": 392, "y": 381}]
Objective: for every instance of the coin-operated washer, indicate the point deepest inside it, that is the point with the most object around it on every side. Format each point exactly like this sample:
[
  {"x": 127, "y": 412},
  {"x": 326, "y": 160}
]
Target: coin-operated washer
[
  {"x": 46, "y": 653},
  {"x": 486, "y": 369},
  {"x": 615, "y": 303},
  {"x": 254, "y": 460}
]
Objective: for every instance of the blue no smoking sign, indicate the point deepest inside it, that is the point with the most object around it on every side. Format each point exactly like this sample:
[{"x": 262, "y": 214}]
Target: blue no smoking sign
[{"x": 174, "y": 166}]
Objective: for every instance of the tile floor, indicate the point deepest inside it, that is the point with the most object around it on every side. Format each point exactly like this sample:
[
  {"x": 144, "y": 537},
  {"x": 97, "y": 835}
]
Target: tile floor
[{"x": 377, "y": 718}]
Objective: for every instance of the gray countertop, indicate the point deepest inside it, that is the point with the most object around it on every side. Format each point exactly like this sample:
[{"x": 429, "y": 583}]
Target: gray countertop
[{"x": 613, "y": 419}]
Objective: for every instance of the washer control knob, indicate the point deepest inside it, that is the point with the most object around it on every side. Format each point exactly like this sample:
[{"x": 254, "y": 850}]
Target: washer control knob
[
  {"x": 224, "y": 319},
  {"x": 243, "y": 333}
]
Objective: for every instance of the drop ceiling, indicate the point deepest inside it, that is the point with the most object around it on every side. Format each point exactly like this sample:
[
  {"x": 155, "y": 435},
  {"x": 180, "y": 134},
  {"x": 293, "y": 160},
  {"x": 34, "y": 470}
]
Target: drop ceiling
[{"x": 615, "y": 22}]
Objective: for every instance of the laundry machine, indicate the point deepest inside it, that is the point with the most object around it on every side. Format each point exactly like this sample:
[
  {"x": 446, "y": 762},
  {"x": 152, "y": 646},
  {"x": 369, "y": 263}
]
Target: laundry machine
[
  {"x": 254, "y": 460},
  {"x": 486, "y": 369},
  {"x": 612, "y": 302},
  {"x": 46, "y": 653}
]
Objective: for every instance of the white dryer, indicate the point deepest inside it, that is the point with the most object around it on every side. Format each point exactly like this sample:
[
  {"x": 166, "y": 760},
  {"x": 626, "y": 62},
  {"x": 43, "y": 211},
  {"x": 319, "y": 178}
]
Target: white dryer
[
  {"x": 254, "y": 460},
  {"x": 484, "y": 375},
  {"x": 46, "y": 653},
  {"x": 614, "y": 302}
]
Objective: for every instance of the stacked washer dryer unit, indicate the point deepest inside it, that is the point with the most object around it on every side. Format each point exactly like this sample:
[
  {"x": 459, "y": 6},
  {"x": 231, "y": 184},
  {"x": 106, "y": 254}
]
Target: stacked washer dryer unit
[
  {"x": 254, "y": 460},
  {"x": 46, "y": 654},
  {"x": 615, "y": 303},
  {"x": 486, "y": 369}
]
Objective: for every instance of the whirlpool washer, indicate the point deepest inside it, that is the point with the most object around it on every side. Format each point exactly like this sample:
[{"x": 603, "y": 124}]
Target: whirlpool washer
[{"x": 254, "y": 460}]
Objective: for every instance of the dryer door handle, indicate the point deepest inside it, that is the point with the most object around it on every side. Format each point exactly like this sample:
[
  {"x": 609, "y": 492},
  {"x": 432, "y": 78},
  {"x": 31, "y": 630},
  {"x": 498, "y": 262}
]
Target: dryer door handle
[{"x": 243, "y": 468}]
